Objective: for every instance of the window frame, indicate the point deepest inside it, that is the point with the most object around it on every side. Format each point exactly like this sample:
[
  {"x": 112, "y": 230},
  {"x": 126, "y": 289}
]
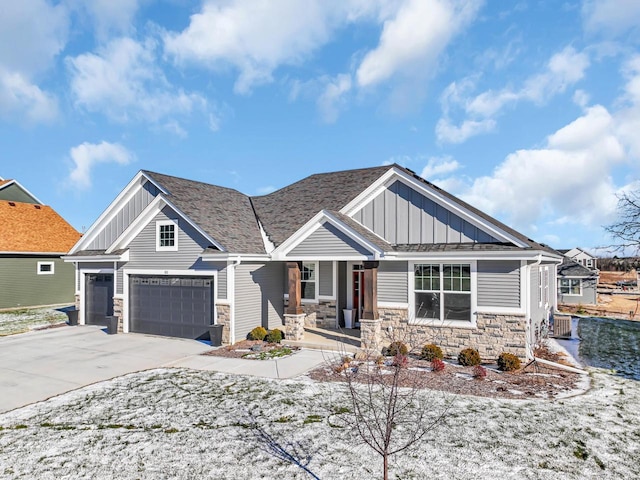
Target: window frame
[
  {"x": 49, "y": 263},
  {"x": 316, "y": 281},
  {"x": 167, "y": 248},
  {"x": 441, "y": 321},
  {"x": 570, "y": 287}
]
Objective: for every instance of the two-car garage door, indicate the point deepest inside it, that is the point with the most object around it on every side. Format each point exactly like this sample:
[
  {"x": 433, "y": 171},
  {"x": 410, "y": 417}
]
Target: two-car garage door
[{"x": 171, "y": 306}]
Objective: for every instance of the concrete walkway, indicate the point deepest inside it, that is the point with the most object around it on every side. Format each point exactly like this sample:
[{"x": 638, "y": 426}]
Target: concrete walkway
[{"x": 287, "y": 367}]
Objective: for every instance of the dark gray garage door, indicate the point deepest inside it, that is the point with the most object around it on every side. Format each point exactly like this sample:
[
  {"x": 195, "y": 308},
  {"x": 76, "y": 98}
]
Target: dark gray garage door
[
  {"x": 171, "y": 306},
  {"x": 98, "y": 298}
]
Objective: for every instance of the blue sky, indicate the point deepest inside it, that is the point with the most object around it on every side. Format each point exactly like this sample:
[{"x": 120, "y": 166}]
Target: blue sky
[{"x": 528, "y": 110}]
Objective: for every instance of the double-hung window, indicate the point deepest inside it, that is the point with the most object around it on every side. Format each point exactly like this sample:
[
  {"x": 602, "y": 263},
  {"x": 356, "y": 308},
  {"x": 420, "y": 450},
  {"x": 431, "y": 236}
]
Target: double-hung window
[
  {"x": 167, "y": 235},
  {"x": 442, "y": 292},
  {"x": 308, "y": 280},
  {"x": 570, "y": 286}
]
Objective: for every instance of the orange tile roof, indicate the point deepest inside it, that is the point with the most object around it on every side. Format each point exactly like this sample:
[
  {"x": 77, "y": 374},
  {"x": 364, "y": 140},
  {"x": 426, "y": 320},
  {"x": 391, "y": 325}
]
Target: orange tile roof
[
  {"x": 25, "y": 227},
  {"x": 2, "y": 182}
]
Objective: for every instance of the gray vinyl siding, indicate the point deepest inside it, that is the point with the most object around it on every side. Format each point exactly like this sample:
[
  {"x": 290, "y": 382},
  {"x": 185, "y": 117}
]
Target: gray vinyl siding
[
  {"x": 402, "y": 215},
  {"x": 499, "y": 283},
  {"x": 21, "y": 286},
  {"x": 143, "y": 254},
  {"x": 589, "y": 293},
  {"x": 537, "y": 311},
  {"x": 14, "y": 193},
  {"x": 258, "y": 297},
  {"x": 328, "y": 241},
  {"x": 124, "y": 217},
  {"x": 393, "y": 282},
  {"x": 325, "y": 277}
]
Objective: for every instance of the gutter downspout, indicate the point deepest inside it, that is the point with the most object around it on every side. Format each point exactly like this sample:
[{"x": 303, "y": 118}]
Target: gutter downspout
[
  {"x": 537, "y": 263},
  {"x": 231, "y": 292}
]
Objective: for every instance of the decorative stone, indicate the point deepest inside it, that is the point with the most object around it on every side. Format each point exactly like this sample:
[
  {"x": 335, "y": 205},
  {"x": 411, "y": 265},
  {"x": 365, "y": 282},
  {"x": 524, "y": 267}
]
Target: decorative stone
[{"x": 294, "y": 326}]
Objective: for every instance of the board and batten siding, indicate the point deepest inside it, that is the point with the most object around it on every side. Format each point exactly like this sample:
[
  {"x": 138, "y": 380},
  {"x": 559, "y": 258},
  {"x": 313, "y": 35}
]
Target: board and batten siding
[
  {"x": 401, "y": 215},
  {"x": 143, "y": 254},
  {"x": 325, "y": 278},
  {"x": 21, "y": 286},
  {"x": 393, "y": 282},
  {"x": 499, "y": 283},
  {"x": 328, "y": 241},
  {"x": 124, "y": 217},
  {"x": 258, "y": 297}
]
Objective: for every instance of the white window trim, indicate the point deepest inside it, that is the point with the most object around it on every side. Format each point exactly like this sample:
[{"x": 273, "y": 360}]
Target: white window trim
[
  {"x": 472, "y": 324},
  {"x": 316, "y": 281},
  {"x": 174, "y": 247},
  {"x": 569, "y": 294},
  {"x": 51, "y": 272}
]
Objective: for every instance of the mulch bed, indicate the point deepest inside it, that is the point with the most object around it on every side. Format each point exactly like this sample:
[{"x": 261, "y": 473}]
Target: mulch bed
[
  {"x": 240, "y": 349},
  {"x": 533, "y": 381}
]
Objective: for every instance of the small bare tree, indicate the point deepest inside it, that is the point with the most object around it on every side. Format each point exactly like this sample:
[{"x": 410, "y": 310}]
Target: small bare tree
[
  {"x": 391, "y": 409},
  {"x": 626, "y": 230}
]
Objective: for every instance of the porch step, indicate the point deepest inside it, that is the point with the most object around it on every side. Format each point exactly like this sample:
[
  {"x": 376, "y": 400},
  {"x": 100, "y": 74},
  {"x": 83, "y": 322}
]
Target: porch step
[{"x": 347, "y": 341}]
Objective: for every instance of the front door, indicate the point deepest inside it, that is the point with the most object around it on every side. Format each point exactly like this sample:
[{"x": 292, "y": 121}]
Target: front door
[
  {"x": 358, "y": 292},
  {"x": 98, "y": 298}
]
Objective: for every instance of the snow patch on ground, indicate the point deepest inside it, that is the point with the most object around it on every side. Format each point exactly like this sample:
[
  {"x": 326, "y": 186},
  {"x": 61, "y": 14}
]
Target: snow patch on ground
[
  {"x": 183, "y": 424},
  {"x": 24, "y": 320}
]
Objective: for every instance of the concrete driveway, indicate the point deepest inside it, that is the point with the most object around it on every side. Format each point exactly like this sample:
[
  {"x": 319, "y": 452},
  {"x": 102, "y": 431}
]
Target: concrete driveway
[{"x": 37, "y": 365}]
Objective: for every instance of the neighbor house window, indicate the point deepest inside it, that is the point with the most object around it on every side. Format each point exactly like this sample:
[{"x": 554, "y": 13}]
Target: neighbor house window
[
  {"x": 166, "y": 235},
  {"x": 46, "y": 268},
  {"x": 308, "y": 280},
  {"x": 570, "y": 286},
  {"x": 442, "y": 291}
]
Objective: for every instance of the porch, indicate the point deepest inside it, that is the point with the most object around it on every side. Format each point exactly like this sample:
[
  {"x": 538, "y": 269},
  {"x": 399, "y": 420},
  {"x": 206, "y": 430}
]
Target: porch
[{"x": 345, "y": 340}]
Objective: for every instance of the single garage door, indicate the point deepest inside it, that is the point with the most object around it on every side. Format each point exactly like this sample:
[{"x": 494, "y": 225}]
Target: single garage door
[
  {"x": 171, "y": 306},
  {"x": 98, "y": 298}
]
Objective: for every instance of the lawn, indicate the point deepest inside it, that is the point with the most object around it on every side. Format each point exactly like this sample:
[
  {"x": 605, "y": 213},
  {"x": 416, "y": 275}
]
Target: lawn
[
  {"x": 191, "y": 424},
  {"x": 25, "y": 319}
]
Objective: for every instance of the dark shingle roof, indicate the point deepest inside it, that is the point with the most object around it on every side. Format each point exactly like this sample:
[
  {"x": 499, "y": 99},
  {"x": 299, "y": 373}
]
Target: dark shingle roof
[
  {"x": 569, "y": 268},
  {"x": 284, "y": 211},
  {"x": 224, "y": 214},
  {"x": 364, "y": 232},
  {"x": 457, "y": 247}
]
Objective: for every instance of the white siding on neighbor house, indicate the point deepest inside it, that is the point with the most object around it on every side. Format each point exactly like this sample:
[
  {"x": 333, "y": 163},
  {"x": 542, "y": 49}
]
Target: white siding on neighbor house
[
  {"x": 124, "y": 217},
  {"x": 393, "y": 278},
  {"x": 328, "y": 241},
  {"x": 499, "y": 283},
  {"x": 143, "y": 254},
  {"x": 258, "y": 297},
  {"x": 402, "y": 215},
  {"x": 325, "y": 278}
]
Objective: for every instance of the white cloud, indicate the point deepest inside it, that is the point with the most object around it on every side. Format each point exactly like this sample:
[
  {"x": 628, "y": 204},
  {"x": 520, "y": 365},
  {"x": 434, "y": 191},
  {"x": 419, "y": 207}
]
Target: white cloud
[
  {"x": 87, "y": 155},
  {"x": 563, "y": 69},
  {"x": 111, "y": 16},
  {"x": 332, "y": 99},
  {"x": 123, "y": 82},
  {"x": 20, "y": 98},
  {"x": 611, "y": 16},
  {"x": 437, "y": 166},
  {"x": 569, "y": 180},
  {"x": 412, "y": 40}
]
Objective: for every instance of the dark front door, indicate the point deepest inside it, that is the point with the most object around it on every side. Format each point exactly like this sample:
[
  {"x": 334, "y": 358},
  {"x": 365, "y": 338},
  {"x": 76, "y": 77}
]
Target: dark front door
[
  {"x": 171, "y": 306},
  {"x": 358, "y": 292},
  {"x": 98, "y": 298}
]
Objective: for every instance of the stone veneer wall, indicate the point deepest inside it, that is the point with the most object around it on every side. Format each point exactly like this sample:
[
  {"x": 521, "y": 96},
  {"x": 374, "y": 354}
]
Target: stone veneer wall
[
  {"x": 321, "y": 314},
  {"x": 223, "y": 312},
  {"x": 494, "y": 334},
  {"x": 118, "y": 307},
  {"x": 77, "y": 302}
]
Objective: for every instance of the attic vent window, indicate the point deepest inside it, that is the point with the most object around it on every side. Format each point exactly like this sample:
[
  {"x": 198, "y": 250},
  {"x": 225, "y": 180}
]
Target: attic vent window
[
  {"x": 12, "y": 204},
  {"x": 37, "y": 207},
  {"x": 46, "y": 268}
]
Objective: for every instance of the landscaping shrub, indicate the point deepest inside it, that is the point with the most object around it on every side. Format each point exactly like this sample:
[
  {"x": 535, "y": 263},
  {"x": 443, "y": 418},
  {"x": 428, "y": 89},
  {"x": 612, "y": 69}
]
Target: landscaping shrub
[
  {"x": 469, "y": 357},
  {"x": 437, "y": 365},
  {"x": 479, "y": 372},
  {"x": 395, "y": 348},
  {"x": 400, "y": 361},
  {"x": 431, "y": 351},
  {"x": 508, "y": 362},
  {"x": 257, "y": 333},
  {"x": 274, "y": 336}
]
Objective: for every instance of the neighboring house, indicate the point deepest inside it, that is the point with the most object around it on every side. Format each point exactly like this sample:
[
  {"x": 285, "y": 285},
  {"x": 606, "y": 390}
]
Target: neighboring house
[
  {"x": 580, "y": 256},
  {"x": 33, "y": 237},
  {"x": 577, "y": 284},
  {"x": 169, "y": 256}
]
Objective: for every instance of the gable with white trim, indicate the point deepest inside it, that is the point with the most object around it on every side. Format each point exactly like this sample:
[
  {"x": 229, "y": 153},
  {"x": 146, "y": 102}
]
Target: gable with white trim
[
  {"x": 403, "y": 215},
  {"x": 328, "y": 241}
]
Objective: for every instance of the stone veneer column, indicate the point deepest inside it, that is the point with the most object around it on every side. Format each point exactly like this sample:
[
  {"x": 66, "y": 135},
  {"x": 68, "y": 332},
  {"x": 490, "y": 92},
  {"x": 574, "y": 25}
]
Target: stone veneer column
[
  {"x": 294, "y": 326},
  {"x": 371, "y": 334},
  {"x": 223, "y": 313},
  {"x": 118, "y": 307}
]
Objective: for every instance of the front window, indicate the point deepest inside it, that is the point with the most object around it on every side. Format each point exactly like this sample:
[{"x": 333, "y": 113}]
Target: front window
[
  {"x": 45, "y": 268},
  {"x": 570, "y": 286},
  {"x": 308, "y": 281},
  {"x": 166, "y": 235},
  {"x": 443, "y": 291}
]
